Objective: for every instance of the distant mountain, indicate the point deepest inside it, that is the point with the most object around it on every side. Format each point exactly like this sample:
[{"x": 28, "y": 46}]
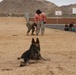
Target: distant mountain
[
  {"x": 29, "y": 6},
  {"x": 67, "y": 9}
]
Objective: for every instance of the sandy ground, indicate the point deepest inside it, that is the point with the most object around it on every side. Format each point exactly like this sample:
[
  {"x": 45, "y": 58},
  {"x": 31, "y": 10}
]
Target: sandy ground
[{"x": 59, "y": 46}]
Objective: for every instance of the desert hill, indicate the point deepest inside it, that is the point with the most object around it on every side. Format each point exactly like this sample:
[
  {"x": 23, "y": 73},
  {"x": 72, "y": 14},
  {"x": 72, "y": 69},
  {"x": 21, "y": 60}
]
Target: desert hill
[
  {"x": 67, "y": 9},
  {"x": 29, "y": 6}
]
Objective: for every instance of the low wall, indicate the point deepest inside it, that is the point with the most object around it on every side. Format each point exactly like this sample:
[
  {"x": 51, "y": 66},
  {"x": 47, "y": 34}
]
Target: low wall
[{"x": 59, "y": 20}]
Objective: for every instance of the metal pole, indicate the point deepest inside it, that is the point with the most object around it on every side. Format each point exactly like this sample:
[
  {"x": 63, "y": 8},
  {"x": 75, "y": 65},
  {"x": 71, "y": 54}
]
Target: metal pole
[{"x": 57, "y": 20}]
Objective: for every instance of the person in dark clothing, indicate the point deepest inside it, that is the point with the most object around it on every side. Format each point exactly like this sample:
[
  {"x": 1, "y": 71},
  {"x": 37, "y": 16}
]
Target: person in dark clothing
[
  {"x": 71, "y": 25},
  {"x": 66, "y": 28}
]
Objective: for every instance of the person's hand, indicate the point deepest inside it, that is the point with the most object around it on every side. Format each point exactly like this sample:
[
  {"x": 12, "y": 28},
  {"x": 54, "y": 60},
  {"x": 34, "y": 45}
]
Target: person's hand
[
  {"x": 35, "y": 24},
  {"x": 44, "y": 22}
]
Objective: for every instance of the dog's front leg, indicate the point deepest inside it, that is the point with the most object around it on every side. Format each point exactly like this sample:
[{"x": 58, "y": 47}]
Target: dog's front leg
[{"x": 26, "y": 61}]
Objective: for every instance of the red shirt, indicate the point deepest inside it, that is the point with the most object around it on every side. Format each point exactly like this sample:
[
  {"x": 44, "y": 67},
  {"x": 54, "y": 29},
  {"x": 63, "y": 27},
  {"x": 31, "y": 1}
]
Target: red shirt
[{"x": 40, "y": 17}]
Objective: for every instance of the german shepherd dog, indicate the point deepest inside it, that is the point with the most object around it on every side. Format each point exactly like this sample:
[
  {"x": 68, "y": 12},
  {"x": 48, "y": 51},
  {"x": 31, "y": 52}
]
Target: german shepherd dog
[
  {"x": 31, "y": 26},
  {"x": 32, "y": 53}
]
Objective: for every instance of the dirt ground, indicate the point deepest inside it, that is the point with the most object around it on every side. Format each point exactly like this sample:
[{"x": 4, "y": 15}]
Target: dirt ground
[{"x": 57, "y": 45}]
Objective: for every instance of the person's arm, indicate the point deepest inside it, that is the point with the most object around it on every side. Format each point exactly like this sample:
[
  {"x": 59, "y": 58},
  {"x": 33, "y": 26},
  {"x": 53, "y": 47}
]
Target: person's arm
[
  {"x": 44, "y": 16},
  {"x": 35, "y": 19}
]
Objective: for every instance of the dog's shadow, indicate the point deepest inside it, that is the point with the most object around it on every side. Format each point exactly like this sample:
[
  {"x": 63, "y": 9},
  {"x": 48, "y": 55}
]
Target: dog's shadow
[{"x": 32, "y": 62}]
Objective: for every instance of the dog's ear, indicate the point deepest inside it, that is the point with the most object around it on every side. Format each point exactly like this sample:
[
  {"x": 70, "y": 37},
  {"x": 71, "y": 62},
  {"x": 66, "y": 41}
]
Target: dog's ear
[
  {"x": 33, "y": 41},
  {"x": 37, "y": 41}
]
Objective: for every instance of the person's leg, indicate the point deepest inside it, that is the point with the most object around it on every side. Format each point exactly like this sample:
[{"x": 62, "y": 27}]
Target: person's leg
[
  {"x": 42, "y": 28},
  {"x": 33, "y": 29},
  {"x": 38, "y": 28},
  {"x": 28, "y": 31},
  {"x": 29, "y": 28}
]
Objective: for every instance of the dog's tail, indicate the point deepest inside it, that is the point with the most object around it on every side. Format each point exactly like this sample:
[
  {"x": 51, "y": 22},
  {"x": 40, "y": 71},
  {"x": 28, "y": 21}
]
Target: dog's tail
[{"x": 45, "y": 59}]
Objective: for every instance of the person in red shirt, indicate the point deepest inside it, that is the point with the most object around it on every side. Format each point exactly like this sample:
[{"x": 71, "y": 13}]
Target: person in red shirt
[{"x": 40, "y": 20}]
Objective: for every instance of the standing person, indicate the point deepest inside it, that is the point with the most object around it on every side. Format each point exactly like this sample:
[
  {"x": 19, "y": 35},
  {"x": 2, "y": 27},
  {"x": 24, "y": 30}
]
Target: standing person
[
  {"x": 71, "y": 25},
  {"x": 40, "y": 20}
]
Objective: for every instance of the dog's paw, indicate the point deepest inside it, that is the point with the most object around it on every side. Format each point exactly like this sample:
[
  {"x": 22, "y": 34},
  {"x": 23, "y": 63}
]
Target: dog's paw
[{"x": 21, "y": 65}]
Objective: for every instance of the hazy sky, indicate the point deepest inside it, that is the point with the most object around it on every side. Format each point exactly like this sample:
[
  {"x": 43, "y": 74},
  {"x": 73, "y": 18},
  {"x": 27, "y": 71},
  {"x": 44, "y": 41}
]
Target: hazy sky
[
  {"x": 1, "y": 0},
  {"x": 63, "y": 2}
]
